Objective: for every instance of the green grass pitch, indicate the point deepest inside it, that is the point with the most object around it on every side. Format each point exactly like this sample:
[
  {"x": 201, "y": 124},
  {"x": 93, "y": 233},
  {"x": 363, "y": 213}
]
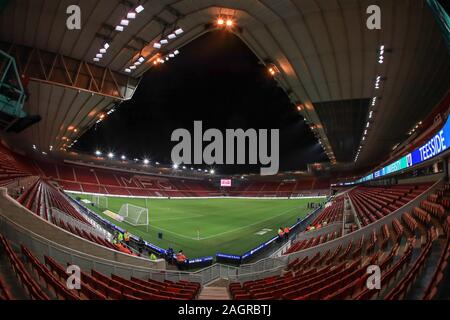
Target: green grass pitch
[{"x": 203, "y": 227}]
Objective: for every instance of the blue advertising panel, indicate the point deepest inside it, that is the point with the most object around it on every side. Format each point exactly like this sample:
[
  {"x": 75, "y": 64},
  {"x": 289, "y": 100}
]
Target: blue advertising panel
[{"x": 433, "y": 147}]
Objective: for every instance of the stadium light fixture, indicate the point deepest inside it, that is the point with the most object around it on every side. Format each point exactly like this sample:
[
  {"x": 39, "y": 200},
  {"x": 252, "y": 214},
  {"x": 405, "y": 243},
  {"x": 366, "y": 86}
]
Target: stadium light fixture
[
  {"x": 157, "y": 163},
  {"x": 131, "y": 15},
  {"x": 34, "y": 147},
  {"x": 157, "y": 45},
  {"x": 123, "y": 157},
  {"x": 220, "y": 22},
  {"x": 124, "y": 22},
  {"x": 175, "y": 166},
  {"x": 212, "y": 171},
  {"x": 273, "y": 70},
  {"x": 164, "y": 41},
  {"x": 139, "y": 9},
  {"x": 127, "y": 70},
  {"x": 119, "y": 28},
  {"x": 171, "y": 36},
  {"x": 146, "y": 161},
  {"x": 102, "y": 50},
  {"x": 133, "y": 67},
  {"x": 96, "y": 59},
  {"x": 110, "y": 155},
  {"x": 176, "y": 52},
  {"x": 106, "y": 46},
  {"x": 141, "y": 59},
  {"x": 99, "y": 55},
  {"x": 179, "y": 31},
  {"x": 230, "y": 23},
  {"x": 98, "y": 153}
]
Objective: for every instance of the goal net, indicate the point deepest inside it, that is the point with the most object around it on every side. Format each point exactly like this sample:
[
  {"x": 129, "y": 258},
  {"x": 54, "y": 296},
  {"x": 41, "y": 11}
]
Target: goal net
[
  {"x": 134, "y": 215},
  {"x": 100, "y": 202}
]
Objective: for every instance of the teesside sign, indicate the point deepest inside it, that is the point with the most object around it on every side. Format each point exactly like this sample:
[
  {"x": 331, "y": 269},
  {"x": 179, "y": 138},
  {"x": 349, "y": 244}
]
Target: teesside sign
[{"x": 433, "y": 147}]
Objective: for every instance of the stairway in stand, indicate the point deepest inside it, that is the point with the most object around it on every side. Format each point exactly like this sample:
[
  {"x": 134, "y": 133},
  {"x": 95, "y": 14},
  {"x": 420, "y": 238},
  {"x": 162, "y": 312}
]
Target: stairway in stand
[{"x": 214, "y": 293}]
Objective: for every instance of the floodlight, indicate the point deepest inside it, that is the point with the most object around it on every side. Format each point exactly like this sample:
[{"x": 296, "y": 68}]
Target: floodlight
[{"x": 139, "y": 9}]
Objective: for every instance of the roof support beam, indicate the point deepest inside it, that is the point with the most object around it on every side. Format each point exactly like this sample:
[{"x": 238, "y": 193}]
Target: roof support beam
[{"x": 59, "y": 70}]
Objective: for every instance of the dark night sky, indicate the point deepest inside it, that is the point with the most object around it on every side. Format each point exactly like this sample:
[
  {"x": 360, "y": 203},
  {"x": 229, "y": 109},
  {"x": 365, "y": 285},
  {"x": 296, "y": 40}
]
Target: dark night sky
[{"x": 218, "y": 80}]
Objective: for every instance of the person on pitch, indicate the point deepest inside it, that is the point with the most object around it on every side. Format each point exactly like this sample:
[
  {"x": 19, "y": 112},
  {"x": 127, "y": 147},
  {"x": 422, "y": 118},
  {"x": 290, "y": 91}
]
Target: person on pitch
[
  {"x": 126, "y": 237},
  {"x": 286, "y": 232}
]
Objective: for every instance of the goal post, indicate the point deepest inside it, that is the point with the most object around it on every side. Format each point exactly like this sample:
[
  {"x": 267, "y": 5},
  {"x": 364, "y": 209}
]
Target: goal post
[
  {"x": 100, "y": 202},
  {"x": 134, "y": 215}
]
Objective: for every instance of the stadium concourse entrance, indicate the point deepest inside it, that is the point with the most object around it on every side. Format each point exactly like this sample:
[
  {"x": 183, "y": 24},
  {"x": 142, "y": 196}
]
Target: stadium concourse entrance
[{"x": 206, "y": 229}]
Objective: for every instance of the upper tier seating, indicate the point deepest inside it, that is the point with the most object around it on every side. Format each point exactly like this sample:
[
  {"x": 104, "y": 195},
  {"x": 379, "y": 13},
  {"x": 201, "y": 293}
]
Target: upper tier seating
[{"x": 96, "y": 180}]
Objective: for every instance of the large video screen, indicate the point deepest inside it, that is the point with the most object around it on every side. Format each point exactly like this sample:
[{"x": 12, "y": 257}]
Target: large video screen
[{"x": 225, "y": 182}]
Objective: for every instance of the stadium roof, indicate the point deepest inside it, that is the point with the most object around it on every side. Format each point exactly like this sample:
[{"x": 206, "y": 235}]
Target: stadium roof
[{"x": 326, "y": 57}]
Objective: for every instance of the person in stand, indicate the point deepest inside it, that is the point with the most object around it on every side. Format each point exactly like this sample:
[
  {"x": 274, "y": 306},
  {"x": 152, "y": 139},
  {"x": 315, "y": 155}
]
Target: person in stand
[{"x": 182, "y": 261}]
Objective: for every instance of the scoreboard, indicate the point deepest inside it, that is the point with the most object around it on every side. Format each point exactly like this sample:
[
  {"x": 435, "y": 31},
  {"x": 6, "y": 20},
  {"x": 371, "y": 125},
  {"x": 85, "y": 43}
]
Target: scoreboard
[{"x": 225, "y": 182}]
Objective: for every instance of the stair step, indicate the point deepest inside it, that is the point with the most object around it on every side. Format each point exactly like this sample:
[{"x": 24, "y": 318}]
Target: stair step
[{"x": 214, "y": 293}]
